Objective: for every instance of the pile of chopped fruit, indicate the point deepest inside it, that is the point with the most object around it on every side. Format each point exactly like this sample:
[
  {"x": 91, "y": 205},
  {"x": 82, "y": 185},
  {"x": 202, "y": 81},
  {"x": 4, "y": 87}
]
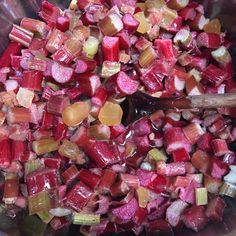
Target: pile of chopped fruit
[{"x": 66, "y": 156}]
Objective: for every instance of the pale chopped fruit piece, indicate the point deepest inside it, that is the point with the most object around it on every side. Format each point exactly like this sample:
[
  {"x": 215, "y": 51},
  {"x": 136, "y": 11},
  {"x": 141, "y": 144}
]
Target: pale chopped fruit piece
[
  {"x": 143, "y": 196},
  {"x": 214, "y": 26},
  {"x": 110, "y": 114},
  {"x": 44, "y": 146},
  {"x": 69, "y": 149},
  {"x": 90, "y": 46},
  {"x": 25, "y": 97},
  {"x": 144, "y": 25},
  {"x": 74, "y": 114}
]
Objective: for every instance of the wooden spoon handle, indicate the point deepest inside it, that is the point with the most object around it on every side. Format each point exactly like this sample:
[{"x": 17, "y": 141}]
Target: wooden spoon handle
[{"x": 201, "y": 101}]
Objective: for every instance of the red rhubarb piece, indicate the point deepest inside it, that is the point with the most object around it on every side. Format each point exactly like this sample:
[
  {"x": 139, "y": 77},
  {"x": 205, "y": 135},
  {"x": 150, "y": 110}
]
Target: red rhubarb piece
[
  {"x": 110, "y": 48},
  {"x": 174, "y": 212},
  {"x": 61, "y": 74},
  {"x": 180, "y": 155},
  {"x": 174, "y": 139},
  {"x": 215, "y": 209},
  {"x": 127, "y": 211},
  {"x": 69, "y": 174},
  {"x": 204, "y": 142},
  {"x": 102, "y": 154},
  {"x": 130, "y": 23},
  {"x": 5, "y": 153},
  {"x": 195, "y": 218},
  {"x": 84, "y": 65},
  {"x": 219, "y": 147},
  {"x": 89, "y": 178},
  {"x": 40, "y": 180},
  {"x": 78, "y": 196},
  {"x": 209, "y": 40}
]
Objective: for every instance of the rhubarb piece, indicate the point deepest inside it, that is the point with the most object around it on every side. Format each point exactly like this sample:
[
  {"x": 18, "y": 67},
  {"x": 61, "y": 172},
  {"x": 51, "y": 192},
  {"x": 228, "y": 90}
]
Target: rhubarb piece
[
  {"x": 214, "y": 26},
  {"x": 107, "y": 180},
  {"x": 221, "y": 55},
  {"x": 11, "y": 189},
  {"x": 183, "y": 181},
  {"x": 78, "y": 197},
  {"x": 55, "y": 41},
  {"x": 43, "y": 146},
  {"x": 60, "y": 73},
  {"x": 215, "y": 209},
  {"x": 74, "y": 114},
  {"x": 193, "y": 132},
  {"x": 156, "y": 155},
  {"x": 147, "y": 57},
  {"x": 218, "y": 168},
  {"x": 201, "y": 161},
  {"x": 171, "y": 169},
  {"x": 201, "y": 196},
  {"x": 193, "y": 87},
  {"x": 110, "y": 114},
  {"x": 35, "y": 26},
  {"x": 165, "y": 49},
  {"x": 102, "y": 153},
  {"x": 144, "y": 25},
  {"x": 122, "y": 83},
  {"x": 180, "y": 155},
  {"x": 110, "y": 48},
  {"x": 130, "y": 180},
  {"x": 49, "y": 12},
  {"x": 99, "y": 132},
  {"x": 89, "y": 83},
  {"x": 70, "y": 150},
  {"x": 32, "y": 165},
  {"x": 84, "y": 65},
  {"x": 21, "y": 35},
  {"x": 119, "y": 189},
  {"x": 5, "y": 153},
  {"x": 40, "y": 202},
  {"x": 183, "y": 37},
  {"x": 204, "y": 142},
  {"x": 188, "y": 13},
  {"x": 25, "y": 97},
  {"x": 174, "y": 139},
  {"x": 69, "y": 174},
  {"x": 41, "y": 180},
  {"x": 174, "y": 212},
  {"x": 12, "y": 49},
  {"x": 219, "y": 147},
  {"x": 130, "y": 23},
  {"x": 212, "y": 184},
  {"x": 53, "y": 163},
  {"x": 18, "y": 148},
  {"x": 195, "y": 218},
  {"x": 32, "y": 80},
  {"x": 143, "y": 196},
  {"x": 89, "y": 178},
  {"x": 228, "y": 190},
  {"x": 110, "y": 68},
  {"x": 63, "y": 23},
  {"x": 199, "y": 22},
  {"x": 85, "y": 219},
  {"x": 127, "y": 211},
  {"x": 178, "y": 4},
  {"x": 158, "y": 226},
  {"x": 214, "y": 75},
  {"x": 63, "y": 55},
  {"x": 90, "y": 46},
  {"x": 209, "y": 40},
  {"x": 56, "y": 104},
  {"x": 111, "y": 24}
]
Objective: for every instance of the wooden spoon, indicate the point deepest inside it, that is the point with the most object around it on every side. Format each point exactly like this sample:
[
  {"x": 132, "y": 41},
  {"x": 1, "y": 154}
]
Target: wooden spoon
[{"x": 140, "y": 104}]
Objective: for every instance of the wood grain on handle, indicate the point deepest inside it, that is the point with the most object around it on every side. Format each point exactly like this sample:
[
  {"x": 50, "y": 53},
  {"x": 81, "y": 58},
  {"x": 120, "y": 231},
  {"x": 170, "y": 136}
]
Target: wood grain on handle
[{"x": 205, "y": 101}]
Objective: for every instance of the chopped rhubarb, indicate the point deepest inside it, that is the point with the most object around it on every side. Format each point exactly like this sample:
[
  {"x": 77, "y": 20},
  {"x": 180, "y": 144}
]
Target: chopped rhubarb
[
  {"x": 89, "y": 178},
  {"x": 110, "y": 48},
  {"x": 215, "y": 209},
  {"x": 78, "y": 197},
  {"x": 40, "y": 180},
  {"x": 195, "y": 218}
]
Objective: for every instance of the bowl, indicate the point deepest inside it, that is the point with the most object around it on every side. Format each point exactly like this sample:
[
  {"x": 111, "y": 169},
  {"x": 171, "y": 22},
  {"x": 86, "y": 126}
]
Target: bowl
[{"x": 12, "y": 11}]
